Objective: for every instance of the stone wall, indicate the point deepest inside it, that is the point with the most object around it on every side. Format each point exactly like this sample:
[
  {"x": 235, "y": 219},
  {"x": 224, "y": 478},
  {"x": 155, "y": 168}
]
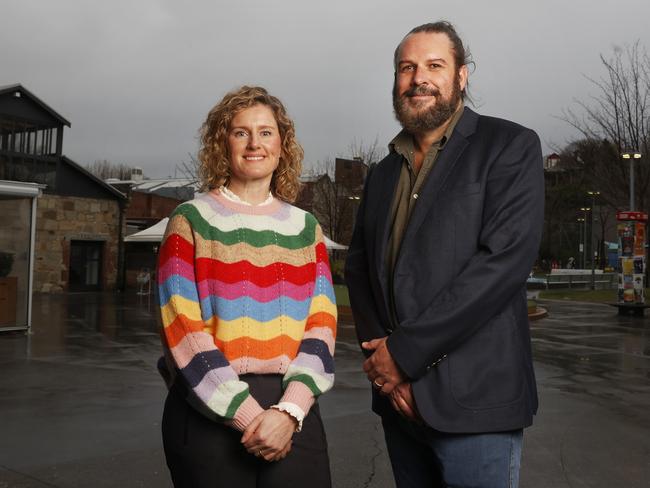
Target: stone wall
[{"x": 60, "y": 220}]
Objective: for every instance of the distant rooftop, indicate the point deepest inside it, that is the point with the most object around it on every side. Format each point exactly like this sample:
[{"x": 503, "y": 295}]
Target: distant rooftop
[
  {"x": 150, "y": 186},
  {"x": 309, "y": 178},
  {"x": 154, "y": 185}
]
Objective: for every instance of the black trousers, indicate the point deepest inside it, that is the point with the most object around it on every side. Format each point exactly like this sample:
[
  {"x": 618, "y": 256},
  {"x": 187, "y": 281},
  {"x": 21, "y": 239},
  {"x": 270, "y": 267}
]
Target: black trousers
[{"x": 203, "y": 453}]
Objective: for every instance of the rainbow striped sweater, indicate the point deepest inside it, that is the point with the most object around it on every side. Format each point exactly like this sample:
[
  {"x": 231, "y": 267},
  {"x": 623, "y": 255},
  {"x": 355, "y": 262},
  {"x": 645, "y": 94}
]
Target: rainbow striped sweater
[{"x": 246, "y": 289}]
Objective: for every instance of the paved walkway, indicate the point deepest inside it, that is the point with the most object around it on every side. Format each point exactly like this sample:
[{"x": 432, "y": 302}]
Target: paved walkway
[{"x": 80, "y": 400}]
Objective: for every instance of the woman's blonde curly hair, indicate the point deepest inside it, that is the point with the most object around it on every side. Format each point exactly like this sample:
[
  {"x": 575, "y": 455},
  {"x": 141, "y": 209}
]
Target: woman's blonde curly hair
[{"x": 214, "y": 156}]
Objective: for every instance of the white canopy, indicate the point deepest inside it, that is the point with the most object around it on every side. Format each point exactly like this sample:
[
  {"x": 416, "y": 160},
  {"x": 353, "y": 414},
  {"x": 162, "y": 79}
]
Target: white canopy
[
  {"x": 330, "y": 244},
  {"x": 155, "y": 234},
  {"x": 152, "y": 234}
]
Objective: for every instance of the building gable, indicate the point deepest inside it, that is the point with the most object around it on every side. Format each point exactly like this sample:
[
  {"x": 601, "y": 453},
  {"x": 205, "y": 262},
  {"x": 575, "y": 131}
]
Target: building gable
[
  {"x": 19, "y": 104},
  {"x": 74, "y": 180}
]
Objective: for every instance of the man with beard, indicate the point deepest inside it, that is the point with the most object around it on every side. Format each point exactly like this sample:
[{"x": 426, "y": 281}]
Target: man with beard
[{"x": 446, "y": 234}]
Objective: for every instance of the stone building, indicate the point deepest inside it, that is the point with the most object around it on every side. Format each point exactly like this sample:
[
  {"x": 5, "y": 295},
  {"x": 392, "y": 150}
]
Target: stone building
[
  {"x": 78, "y": 234},
  {"x": 60, "y": 226}
]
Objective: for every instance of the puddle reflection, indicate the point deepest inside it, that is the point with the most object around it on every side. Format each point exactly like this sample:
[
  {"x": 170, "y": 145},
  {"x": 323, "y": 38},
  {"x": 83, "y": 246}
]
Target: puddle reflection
[{"x": 86, "y": 325}]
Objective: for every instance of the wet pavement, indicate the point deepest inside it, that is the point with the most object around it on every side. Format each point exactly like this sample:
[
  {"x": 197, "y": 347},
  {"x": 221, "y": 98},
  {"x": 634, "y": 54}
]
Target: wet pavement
[
  {"x": 593, "y": 428},
  {"x": 81, "y": 401}
]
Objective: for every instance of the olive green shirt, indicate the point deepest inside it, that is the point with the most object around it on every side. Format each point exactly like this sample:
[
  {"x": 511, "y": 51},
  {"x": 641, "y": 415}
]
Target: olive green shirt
[{"x": 408, "y": 187}]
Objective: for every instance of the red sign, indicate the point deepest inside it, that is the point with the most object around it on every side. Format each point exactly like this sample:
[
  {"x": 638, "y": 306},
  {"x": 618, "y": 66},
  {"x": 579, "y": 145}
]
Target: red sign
[
  {"x": 627, "y": 215},
  {"x": 639, "y": 239}
]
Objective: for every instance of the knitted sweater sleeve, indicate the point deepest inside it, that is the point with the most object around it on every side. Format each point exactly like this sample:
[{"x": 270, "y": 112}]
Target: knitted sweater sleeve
[
  {"x": 202, "y": 366},
  {"x": 311, "y": 373}
]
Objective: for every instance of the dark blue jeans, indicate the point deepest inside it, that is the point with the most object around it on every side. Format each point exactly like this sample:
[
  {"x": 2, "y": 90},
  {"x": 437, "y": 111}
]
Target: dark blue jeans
[{"x": 424, "y": 458}]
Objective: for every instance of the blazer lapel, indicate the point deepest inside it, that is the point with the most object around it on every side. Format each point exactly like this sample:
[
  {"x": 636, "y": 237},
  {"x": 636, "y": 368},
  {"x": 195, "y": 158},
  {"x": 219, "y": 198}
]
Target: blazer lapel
[
  {"x": 386, "y": 190},
  {"x": 446, "y": 161}
]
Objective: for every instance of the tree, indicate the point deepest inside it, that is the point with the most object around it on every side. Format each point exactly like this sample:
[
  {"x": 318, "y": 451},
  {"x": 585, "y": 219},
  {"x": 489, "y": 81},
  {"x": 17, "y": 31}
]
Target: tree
[
  {"x": 332, "y": 206},
  {"x": 585, "y": 166},
  {"x": 104, "y": 169},
  {"x": 605, "y": 216},
  {"x": 336, "y": 195},
  {"x": 615, "y": 120},
  {"x": 561, "y": 237},
  {"x": 368, "y": 153},
  {"x": 190, "y": 168}
]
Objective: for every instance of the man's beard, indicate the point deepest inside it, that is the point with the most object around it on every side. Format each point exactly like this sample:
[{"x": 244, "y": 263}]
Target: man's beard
[{"x": 417, "y": 122}]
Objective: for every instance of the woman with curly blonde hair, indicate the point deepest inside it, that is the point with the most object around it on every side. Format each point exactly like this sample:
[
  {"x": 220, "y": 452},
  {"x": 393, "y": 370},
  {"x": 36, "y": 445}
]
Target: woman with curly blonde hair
[
  {"x": 214, "y": 157},
  {"x": 248, "y": 310}
]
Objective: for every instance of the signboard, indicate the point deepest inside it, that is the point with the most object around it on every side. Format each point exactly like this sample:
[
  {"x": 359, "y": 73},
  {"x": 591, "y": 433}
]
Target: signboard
[
  {"x": 631, "y": 257},
  {"x": 627, "y": 215}
]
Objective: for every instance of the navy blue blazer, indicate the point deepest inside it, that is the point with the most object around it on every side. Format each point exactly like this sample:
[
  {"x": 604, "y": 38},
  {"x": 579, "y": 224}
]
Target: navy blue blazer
[{"x": 462, "y": 331}]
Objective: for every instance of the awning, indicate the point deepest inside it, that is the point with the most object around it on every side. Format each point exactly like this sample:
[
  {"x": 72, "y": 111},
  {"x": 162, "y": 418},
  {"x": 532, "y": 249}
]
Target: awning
[
  {"x": 330, "y": 244},
  {"x": 152, "y": 234},
  {"x": 20, "y": 189}
]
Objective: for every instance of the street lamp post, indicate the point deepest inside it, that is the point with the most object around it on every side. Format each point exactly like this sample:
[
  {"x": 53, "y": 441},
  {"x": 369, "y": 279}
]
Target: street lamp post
[
  {"x": 584, "y": 234},
  {"x": 581, "y": 245},
  {"x": 593, "y": 195},
  {"x": 631, "y": 155}
]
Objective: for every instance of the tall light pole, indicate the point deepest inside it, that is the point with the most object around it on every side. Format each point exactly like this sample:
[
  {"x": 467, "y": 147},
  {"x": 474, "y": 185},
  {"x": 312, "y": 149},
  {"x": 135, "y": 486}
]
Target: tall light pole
[
  {"x": 631, "y": 155},
  {"x": 581, "y": 246},
  {"x": 593, "y": 195},
  {"x": 584, "y": 234}
]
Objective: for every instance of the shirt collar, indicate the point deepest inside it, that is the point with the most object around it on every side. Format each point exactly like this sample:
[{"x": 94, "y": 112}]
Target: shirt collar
[{"x": 234, "y": 198}]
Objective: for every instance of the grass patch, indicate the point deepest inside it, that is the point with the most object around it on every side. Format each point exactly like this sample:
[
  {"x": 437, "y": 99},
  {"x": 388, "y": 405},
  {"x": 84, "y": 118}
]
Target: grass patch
[
  {"x": 595, "y": 296},
  {"x": 341, "y": 293}
]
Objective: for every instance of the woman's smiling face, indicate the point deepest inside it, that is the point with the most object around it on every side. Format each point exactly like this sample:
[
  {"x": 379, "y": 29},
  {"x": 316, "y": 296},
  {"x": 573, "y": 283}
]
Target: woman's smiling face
[{"x": 254, "y": 144}]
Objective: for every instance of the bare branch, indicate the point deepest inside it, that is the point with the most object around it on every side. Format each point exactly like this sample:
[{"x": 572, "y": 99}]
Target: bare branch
[
  {"x": 104, "y": 169},
  {"x": 615, "y": 119}
]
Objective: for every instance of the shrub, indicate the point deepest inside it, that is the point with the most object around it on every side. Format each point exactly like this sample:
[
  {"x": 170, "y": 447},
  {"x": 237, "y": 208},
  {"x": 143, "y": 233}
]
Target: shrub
[
  {"x": 6, "y": 262},
  {"x": 337, "y": 266}
]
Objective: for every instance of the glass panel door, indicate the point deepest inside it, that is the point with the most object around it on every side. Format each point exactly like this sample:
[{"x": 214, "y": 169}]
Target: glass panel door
[
  {"x": 85, "y": 265},
  {"x": 15, "y": 233}
]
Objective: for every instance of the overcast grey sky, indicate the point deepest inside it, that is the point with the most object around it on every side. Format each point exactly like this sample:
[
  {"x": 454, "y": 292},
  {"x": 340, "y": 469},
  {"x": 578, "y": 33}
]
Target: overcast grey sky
[{"x": 137, "y": 77}]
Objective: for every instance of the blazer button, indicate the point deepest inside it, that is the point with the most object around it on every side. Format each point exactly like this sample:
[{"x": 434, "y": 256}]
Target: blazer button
[{"x": 415, "y": 196}]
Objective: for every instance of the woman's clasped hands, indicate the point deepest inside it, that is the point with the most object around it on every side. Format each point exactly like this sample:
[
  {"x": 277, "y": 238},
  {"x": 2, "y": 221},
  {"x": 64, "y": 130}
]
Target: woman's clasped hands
[{"x": 269, "y": 435}]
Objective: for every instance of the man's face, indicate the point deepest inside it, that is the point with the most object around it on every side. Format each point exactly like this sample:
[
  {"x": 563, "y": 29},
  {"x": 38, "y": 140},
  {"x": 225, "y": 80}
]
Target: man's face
[{"x": 427, "y": 88}]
